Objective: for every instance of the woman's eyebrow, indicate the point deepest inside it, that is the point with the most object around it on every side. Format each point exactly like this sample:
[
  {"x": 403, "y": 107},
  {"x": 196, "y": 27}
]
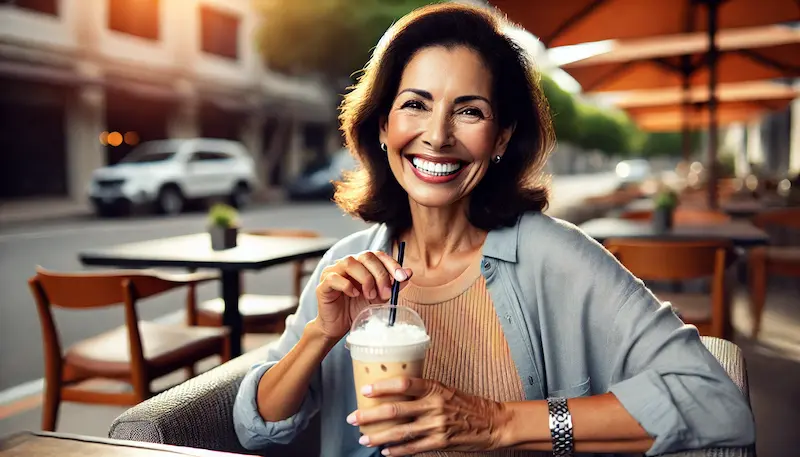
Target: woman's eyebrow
[{"x": 460, "y": 99}]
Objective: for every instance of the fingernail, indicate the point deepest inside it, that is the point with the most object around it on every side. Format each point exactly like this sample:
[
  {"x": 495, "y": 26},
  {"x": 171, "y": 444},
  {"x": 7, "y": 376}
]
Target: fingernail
[
  {"x": 385, "y": 452},
  {"x": 364, "y": 440},
  {"x": 356, "y": 292},
  {"x": 372, "y": 294},
  {"x": 387, "y": 292},
  {"x": 400, "y": 274},
  {"x": 351, "y": 419},
  {"x": 366, "y": 390}
]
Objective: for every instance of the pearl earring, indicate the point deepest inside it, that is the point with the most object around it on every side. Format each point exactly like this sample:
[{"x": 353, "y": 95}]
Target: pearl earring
[{"x": 383, "y": 147}]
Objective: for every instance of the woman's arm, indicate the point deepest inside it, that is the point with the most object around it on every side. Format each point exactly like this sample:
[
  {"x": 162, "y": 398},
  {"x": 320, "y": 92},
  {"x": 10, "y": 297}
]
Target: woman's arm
[
  {"x": 600, "y": 424},
  {"x": 284, "y": 386},
  {"x": 446, "y": 419}
]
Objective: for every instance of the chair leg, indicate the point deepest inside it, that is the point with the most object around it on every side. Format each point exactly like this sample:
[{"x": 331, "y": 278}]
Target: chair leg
[
  {"x": 51, "y": 404},
  {"x": 758, "y": 292}
]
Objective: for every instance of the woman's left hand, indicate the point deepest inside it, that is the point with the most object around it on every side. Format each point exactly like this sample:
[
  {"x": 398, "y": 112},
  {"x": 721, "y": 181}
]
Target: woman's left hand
[{"x": 441, "y": 418}]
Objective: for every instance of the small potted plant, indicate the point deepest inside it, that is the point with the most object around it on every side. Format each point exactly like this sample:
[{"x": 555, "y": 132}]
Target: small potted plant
[
  {"x": 223, "y": 226},
  {"x": 665, "y": 202}
]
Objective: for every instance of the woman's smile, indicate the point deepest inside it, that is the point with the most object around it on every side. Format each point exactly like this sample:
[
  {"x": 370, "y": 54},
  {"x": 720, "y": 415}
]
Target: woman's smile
[{"x": 436, "y": 170}]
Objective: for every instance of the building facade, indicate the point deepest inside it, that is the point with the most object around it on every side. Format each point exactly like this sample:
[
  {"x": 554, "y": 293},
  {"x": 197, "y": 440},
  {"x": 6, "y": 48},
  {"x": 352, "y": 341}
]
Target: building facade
[{"x": 71, "y": 71}]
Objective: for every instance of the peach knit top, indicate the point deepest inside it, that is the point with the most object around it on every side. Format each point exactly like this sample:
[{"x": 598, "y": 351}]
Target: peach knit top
[{"x": 468, "y": 351}]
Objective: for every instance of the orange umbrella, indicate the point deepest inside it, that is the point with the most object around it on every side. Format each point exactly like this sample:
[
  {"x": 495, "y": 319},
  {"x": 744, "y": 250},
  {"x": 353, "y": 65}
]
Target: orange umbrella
[
  {"x": 767, "y": 94},
  {"x": 672, "y": 118},
  {"x": 762, "y": 53},
  {"x": 568, "y": 22}
]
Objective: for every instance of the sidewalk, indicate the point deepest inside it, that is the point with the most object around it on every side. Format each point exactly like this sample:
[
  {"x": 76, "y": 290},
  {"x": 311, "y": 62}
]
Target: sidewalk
[
  {"x": 41, "y": 210},
  {"x": 44, "y": 209}
]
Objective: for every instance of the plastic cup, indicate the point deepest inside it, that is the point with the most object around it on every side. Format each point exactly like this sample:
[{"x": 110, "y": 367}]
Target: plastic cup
[{"x": 382, "y": 352}]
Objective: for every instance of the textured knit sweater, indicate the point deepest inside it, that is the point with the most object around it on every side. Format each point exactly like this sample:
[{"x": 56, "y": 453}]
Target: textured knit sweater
[{"x": 468, "y": 350}]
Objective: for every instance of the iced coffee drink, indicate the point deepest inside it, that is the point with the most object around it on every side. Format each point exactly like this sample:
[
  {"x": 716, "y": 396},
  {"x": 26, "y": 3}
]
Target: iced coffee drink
[{"x": 380, "y": 351}]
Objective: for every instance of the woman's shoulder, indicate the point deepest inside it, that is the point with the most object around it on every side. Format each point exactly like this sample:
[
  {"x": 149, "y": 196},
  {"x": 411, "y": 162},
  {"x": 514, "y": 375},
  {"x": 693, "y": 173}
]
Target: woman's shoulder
[{"x": 550, "y": 239}]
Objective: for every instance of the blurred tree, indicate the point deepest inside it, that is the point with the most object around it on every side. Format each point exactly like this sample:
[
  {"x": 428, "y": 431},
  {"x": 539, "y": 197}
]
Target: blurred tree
[
  {"x": 563, "y": 110},
  {"x": 607, "y": 131},
  {"x": 667, "y": 144},
  {"x": 331, "y": 38}
]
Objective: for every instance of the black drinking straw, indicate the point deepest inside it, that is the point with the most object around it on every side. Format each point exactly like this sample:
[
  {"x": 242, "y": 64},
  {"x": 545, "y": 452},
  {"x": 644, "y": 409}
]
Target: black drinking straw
[{"x": 396, "y": 286}]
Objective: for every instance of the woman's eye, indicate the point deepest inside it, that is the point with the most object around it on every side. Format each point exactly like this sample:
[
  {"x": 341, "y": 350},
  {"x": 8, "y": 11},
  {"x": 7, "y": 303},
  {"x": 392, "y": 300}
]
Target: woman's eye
[
  {"x": 473, "y": 112},
  {"x": 413, "y": 104}
]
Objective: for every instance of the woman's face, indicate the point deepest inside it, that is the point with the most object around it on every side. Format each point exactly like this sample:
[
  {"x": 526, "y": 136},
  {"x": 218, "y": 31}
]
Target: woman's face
[{"x": 441, "y": 133}]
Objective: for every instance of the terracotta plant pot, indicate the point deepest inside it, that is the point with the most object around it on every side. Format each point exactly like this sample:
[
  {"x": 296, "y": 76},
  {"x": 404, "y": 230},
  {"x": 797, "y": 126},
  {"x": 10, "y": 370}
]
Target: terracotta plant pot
[
  {"x": 662, "y": 219},
  {"x": 223, "y": 238}
]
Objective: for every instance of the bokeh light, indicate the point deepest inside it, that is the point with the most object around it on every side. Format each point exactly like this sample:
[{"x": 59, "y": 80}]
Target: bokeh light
[
  {"x": 104, "y": 138},
  {"x": 131, "y": 138},
  {"x": 784, "y": 188},
  {"x": 115, "y": 138}
]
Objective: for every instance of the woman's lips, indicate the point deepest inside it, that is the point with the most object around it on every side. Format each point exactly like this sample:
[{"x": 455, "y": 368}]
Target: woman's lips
[{"x": 435, "y": 178}]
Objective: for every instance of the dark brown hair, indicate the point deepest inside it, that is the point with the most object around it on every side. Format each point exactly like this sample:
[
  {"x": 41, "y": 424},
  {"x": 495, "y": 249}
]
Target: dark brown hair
[{"x": 509, "y": 188}]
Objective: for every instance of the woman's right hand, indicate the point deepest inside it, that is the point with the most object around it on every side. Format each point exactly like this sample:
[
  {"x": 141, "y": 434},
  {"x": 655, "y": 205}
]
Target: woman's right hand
[{"x": 353, "y": 283}]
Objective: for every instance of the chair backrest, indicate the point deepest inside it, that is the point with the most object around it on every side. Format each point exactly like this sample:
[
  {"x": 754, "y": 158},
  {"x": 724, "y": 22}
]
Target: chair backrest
[
  {"x": 788, "y": 218},
  {"x": 689, "y": 216},
  {"x": 100, "y": 289},
  {"x": 662, "y": 260},
  {"x": 683, "y": 215},
  {"x": 295, "y": 233}
]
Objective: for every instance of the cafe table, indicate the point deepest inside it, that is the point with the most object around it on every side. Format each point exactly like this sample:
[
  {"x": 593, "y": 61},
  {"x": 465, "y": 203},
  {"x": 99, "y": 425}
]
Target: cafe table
[
  {"x": 742, "y": 234},
  {"x": 49, "y": 444},
  {"x": 194, "y": 252}
]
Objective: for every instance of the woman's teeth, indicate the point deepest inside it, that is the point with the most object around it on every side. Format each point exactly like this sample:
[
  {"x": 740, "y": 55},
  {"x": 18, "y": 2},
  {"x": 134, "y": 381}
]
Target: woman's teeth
[{"x": 435, "y": 168}]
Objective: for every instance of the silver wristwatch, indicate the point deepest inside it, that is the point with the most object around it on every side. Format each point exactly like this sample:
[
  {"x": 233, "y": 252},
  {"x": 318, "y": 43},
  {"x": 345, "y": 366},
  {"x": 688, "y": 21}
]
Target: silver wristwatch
[{"x": 560, "y": 427}]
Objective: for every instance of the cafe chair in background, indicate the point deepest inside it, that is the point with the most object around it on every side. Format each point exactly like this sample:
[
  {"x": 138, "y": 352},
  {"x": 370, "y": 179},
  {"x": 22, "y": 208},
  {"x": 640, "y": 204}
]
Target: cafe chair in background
[
  {"x": 780, "y": 258},
  {"x": 260, "y": 313},
  {"x": 673, "y": 260},
  {"x": 136, "y": 353},
  {"x": 683, "y": 216}
]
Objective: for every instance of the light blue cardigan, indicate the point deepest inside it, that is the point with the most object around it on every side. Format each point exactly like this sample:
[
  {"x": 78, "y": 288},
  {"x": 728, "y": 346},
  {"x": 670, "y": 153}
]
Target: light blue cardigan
[{"x": 577, "y": 324}]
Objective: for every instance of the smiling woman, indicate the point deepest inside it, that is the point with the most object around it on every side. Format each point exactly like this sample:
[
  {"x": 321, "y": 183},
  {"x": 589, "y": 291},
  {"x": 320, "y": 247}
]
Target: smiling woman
[
  {"x": 453, "y": 92},
  {"x": 539, "y": 339}
]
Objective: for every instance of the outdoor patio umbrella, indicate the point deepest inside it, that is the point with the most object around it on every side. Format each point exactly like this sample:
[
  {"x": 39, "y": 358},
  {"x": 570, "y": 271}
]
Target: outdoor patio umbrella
[
  {"x": 672, "y": 118},
  {"x": 568, "y": 22},
  {"x": 762, "y": 92},
  {"x": 681, "y": 61}
]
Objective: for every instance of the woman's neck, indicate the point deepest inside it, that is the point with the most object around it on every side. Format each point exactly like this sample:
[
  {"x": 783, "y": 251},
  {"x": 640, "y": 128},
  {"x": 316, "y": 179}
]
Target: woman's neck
[{"x": 440, "y": 233}]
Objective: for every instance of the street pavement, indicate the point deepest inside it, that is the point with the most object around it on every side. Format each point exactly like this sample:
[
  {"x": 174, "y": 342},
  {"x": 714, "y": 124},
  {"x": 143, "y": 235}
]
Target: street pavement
[{"x": 56, "y": 244}]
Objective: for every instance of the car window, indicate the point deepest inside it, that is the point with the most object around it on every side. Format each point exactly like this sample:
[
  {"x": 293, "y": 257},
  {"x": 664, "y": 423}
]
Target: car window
[
  {"x": 205, "y": 156},
  {"x": 150, "y": 157}
]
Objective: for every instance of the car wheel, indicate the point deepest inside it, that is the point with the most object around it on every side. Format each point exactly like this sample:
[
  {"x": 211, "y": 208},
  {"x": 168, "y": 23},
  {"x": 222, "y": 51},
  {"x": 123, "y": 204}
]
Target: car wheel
[
  {"x": 170, "y": 200},
  {"x": 103, "y": 211},
  {"x": 240, "y": 196}
]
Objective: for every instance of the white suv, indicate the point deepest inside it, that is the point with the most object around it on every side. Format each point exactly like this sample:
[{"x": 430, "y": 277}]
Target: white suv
[{"x": 168, "y": 173}]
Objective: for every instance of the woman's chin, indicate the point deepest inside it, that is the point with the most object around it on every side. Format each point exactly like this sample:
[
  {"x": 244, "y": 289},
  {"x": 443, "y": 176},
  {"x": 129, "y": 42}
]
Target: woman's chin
[{"x": 435, "y": 199}]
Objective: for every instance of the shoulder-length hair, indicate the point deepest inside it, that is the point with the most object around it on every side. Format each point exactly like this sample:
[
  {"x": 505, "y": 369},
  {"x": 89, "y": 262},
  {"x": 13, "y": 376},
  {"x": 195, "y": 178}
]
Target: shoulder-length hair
[{"x": 511, "y": 187}]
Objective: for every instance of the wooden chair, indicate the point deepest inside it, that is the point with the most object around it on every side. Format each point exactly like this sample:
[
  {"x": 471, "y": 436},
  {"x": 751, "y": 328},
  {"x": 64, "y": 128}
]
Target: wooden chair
[
  {"x": 659, "y": 260},
  {"x": 777, "y": 259},
  {"x": 260, "y": 313},
  {"x": 137, "y": 352},
  {"x": 683, "y": 216}
]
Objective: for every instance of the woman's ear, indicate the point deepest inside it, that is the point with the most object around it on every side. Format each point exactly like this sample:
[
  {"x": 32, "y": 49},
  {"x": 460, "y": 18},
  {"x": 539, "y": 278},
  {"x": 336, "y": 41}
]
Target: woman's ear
[
  {"x": 383, "y": 124},
  {"x": 503, "y": 138}
]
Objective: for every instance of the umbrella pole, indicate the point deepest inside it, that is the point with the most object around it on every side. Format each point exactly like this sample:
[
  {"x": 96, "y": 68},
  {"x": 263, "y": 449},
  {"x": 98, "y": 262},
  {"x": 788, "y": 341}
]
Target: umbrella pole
[
  {"x": 713, "y": 169},
  {"x": 686, "y": 146}
]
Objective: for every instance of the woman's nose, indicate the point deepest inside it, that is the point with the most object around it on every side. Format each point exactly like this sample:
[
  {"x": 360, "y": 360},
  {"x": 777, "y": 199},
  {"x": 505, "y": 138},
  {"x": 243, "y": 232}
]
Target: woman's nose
[{"x": 438, "y": 131}]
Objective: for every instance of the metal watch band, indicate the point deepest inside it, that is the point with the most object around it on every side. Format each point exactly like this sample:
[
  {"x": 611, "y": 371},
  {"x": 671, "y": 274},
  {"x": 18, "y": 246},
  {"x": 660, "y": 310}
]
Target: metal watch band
[{"x": 560, "y": 427}]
